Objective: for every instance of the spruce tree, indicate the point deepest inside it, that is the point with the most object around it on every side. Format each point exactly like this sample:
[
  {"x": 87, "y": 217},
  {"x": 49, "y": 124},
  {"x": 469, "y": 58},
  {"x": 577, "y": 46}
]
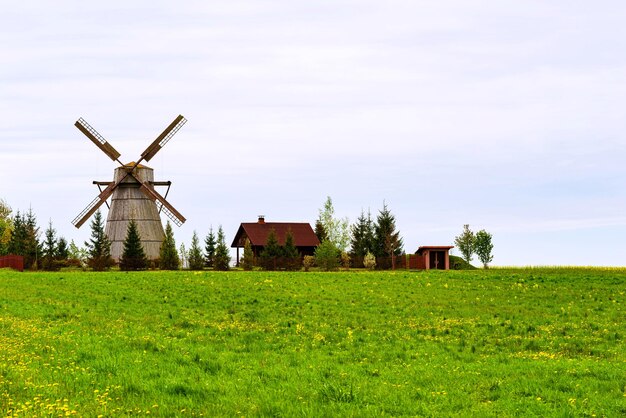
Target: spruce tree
[
  {"x": 222, "y": 255},
  {"x": 370, "y": 233},
  {"x": 320, "y": 232},
  {"x": 362, "y": 236},
  {"x": 18, "y": 237},
  {"x": 133, "y": 256},
  {"x": 63, "y": 252},
  {"x": 327, "y": 256},
  {"x": 196, "y": 260},
  {"x": 247, "y": 261},
  {"x": 32, "y": 247},
  {"x": 99, "y": 246},
  {"x": 49, "y": 248},
  {"x": 291, "y": 253},
  {"x": 271, "y": 252},
  {"x": 168, "y": 254},
  {"x": 209, "y": 248},
  {"x": 388, "y": 243}
]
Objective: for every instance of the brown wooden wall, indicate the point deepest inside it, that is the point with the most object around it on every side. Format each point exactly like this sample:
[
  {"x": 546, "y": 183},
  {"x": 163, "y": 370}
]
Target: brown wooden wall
[{"x": 15, "y": 262}]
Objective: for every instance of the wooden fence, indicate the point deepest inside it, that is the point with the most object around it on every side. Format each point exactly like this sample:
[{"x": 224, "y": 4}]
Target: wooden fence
[{"x": 15, "y": 262}]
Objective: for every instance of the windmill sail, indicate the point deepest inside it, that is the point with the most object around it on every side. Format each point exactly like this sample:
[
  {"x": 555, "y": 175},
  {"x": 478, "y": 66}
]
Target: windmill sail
[
  {"x": 97, "y": 139},
  {"x": 162, "y": 139},
  {"x": 169, "y": 210},
  {"x": 94, "y": 205}
]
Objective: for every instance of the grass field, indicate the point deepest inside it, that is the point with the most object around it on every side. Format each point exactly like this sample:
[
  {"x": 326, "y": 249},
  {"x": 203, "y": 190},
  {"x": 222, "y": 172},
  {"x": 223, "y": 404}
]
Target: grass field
[{"x": 536, "y": 342}]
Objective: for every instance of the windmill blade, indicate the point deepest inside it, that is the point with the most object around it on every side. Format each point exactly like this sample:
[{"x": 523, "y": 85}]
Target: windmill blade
[
  {"x": 94, "y": 205},
  {"x": 162, "y": 139},
  {"x": 97, "y": 139},
  {"x": 169, "y": 210}
]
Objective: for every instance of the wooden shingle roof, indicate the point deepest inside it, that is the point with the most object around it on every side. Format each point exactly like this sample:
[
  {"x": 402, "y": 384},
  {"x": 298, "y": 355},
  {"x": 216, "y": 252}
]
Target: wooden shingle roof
[{"x": 257, "y": 233}]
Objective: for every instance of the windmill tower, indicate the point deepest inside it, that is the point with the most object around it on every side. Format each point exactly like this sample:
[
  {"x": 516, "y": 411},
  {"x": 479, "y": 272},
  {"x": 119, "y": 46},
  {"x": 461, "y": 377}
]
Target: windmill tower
[{"x": 132, "y": 194}]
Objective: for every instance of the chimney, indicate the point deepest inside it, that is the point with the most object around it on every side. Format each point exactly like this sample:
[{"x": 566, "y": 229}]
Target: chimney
[{"x": 261, "y": 219}]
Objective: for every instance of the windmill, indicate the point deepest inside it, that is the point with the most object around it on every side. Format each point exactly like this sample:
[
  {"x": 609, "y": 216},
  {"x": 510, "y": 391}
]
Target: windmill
[{"x": 132, "y": 194}]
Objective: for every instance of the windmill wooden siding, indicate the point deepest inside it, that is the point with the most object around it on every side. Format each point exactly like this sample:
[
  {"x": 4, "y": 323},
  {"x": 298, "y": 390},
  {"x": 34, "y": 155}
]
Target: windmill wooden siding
[
  {"x": 129, "y": 202},
  {"x": 304, "y": 237}
]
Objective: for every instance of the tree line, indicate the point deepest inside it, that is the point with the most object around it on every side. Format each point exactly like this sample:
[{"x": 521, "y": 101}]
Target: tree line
[
  {"x": 20, "y": 235},
  {"x": 369, "y": 242}
]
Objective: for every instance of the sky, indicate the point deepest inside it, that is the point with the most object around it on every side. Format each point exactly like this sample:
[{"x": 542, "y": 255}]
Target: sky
[{"x": 504, "y": 115}]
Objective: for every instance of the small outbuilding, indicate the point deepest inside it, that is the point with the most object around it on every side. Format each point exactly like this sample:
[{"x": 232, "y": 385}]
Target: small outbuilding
[
  {"x": 304, "y": 237},
  {"x": 435, "y": 257}
]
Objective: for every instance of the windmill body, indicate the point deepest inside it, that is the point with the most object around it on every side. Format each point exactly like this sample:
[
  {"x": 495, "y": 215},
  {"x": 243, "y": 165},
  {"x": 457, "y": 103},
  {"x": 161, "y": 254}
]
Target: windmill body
[
  {"x": 133, "y": 195},
  {"x": 129, "y": 202}
]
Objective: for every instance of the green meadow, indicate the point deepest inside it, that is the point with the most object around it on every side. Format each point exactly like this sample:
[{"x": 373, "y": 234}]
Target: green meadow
[{"x": 502, "y": 342}]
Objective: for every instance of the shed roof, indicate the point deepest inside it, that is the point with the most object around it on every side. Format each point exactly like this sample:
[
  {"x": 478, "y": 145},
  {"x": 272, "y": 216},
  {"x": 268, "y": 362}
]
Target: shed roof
[
  {"x": 423, "y": 248},
  {"x": 257, "y": 233}
]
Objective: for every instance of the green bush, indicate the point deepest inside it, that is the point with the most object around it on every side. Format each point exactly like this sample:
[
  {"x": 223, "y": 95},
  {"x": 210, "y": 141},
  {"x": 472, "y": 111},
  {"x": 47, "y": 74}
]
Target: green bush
[
  {"x": 327, "y": 256},
  {"x": 458, "y": 263}
]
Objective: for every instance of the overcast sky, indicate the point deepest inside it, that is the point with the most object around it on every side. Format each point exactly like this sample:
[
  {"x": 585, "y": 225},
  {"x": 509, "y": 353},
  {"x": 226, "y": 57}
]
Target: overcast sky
[{"x": 506, "y": 115}]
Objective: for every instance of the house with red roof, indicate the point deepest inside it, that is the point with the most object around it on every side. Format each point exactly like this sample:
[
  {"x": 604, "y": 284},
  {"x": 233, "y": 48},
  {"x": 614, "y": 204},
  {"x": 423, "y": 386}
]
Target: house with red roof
[{"x": 304, "y": 237}]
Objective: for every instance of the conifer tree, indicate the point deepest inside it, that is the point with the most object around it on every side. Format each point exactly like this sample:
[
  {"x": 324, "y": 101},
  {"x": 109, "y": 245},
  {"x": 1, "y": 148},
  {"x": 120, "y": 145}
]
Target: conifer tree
[
  {"x": 271, "y": 252},
  {"x": 209, "y": 248},
  {"x": 247, "y": 261},
  {"x": 49, "y": 248},
  {"x": 63, "y": 251},
  {"x": 169, "y": 255},
  {"x": 327, "y": 256},
  {"x": 18, "y": 237},
  {"x": 99, "y": 246},
  {"x": 362, "y": 235},
  {"x": 291, "y": 253},
  {"x": 387, "y": 240},
  {"x": 222, "y": 255},
  {"x": 196, "y": 260},
  {"x": 32, "y": 247},
  {"x": 133, "y": 256},
  {"x": 24, "y": 239},
  {"x": 319, "y": 231}
]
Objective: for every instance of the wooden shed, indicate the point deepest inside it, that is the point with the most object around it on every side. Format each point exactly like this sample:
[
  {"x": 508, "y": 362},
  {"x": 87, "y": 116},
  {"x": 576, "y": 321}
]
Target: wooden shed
[
  {"x": 304, "y": 237},
  {"x": 435, "y": 257}
]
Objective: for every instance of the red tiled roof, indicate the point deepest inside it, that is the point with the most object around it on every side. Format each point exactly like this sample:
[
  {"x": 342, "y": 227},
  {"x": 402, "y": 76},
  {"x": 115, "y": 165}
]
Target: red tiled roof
[{"x": 303, "y": 235}]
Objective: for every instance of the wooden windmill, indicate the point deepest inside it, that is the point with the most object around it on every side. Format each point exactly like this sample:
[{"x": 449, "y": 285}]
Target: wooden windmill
[{"x": 132, "y": 194}]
